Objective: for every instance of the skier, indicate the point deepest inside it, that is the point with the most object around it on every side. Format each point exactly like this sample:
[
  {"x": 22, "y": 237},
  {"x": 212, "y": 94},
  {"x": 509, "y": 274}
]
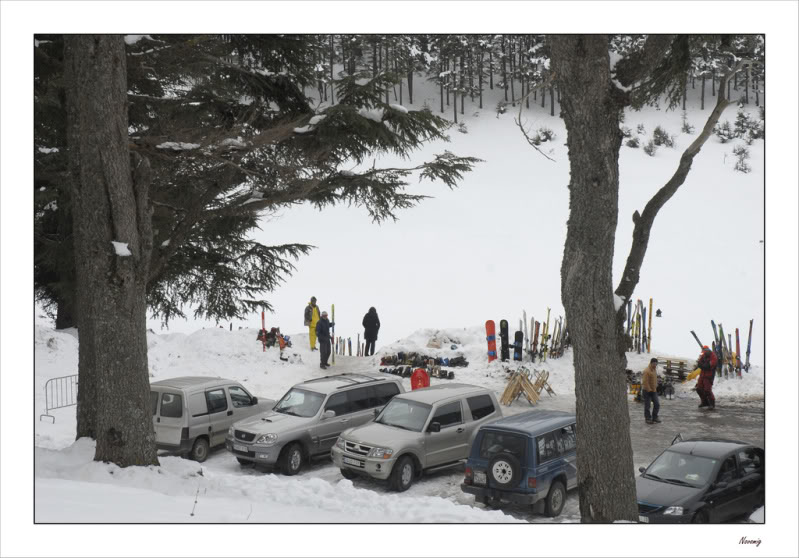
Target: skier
[
  {"x": 371, "y": 324},
  {"x": 649, "y": 387},
  {"x": 704, "y": 385},
  {"x": 323, "y": 333},
  {"x": 311, "y": 317}
]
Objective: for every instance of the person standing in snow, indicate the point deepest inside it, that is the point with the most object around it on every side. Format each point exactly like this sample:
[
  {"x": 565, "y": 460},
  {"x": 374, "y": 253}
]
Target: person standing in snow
[
  {"x": 371, "y": 324},
  {"x": 323, "y": 333},
  {"x": 704, "y": 385},
  {"x": 649, "y": 387},
  {"x": 311, "y": 318}
]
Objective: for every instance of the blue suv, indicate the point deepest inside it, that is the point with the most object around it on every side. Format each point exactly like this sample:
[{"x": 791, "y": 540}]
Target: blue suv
[{"x": 529, "y": 458}]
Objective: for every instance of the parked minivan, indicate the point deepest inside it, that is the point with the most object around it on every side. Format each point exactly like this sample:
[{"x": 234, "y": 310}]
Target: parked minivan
[
  {"x": 420, "y": 431},
  {"x": 529, "y": 458},
  {"x": 192, "y": 414}
]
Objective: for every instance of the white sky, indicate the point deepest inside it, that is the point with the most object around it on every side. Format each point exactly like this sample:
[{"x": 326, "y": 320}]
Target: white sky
[{"x": 778, "y": 19}]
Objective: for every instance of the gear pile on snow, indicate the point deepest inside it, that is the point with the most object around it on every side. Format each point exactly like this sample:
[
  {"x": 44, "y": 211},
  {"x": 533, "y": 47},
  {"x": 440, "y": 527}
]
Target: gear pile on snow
[{"x": 416, "y": 360}]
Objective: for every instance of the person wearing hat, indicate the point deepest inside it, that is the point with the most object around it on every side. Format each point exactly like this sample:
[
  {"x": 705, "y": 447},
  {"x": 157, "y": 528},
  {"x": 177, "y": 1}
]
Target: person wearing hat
[
  {"x": 707, "y": 362},
  {"x": 323, "y": 334},
  {"x": 311, "y": 317},
  {"x": 649, "y": 387}
]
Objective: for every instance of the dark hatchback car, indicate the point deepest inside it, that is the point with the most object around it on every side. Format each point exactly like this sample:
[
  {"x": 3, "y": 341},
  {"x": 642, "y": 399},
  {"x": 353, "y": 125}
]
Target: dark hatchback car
[{"x": 702, "y": 481}]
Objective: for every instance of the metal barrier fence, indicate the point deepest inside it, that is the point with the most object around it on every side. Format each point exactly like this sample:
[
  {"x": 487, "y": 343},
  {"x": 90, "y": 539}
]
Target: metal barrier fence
[{"x": 58, "y": 393}]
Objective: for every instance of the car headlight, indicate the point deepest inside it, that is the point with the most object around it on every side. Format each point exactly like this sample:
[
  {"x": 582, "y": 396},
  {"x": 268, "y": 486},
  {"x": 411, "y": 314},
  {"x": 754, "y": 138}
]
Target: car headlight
[
  {"x": 673, "y": 510},
  {"x": 340, "y": 443},
  {"x": 385, "y": 453},
  {"x": 267, "y": 440},
  {"x": 230, "y": 432}
]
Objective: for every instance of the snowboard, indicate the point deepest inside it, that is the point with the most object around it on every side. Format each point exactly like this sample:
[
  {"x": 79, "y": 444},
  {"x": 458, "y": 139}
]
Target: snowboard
[
  {"x": 526, "y": 335},
  {"x": 518, "y": 342},
  {"x": 491, "y": 337},
  {"x": 503, "y": 336}
]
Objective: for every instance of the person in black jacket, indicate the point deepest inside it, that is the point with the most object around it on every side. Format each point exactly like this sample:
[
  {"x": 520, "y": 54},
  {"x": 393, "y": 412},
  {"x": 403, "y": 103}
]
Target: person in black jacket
[
  {"x": 371, "y": 323},
  {"x": 323, "y": 336}
]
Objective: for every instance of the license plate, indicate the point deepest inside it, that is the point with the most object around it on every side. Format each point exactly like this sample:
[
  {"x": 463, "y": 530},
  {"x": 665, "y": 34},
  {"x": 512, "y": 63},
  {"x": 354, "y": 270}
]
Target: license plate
[
  {"x": 349, "y": 461},
  {"x": 238, "y": 447},
  {"x": 643, "y": 519},
  {"x": 479, "y": 477}
]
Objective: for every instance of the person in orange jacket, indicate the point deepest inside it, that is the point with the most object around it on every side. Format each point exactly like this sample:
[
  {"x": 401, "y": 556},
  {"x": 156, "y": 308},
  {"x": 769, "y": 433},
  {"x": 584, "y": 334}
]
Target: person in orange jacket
[
  {"x": 707, "y": 362},
  {"x": 649, "y": 388}
]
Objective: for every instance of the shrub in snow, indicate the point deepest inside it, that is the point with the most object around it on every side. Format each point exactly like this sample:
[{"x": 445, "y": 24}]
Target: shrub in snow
[
  {"x": 633, "y": 142},
  {"x": 626, "y": 132},
  {"x": 744, "y": 123},
  {"x": 462, "y": 128},
  {"x": 650, "y": 148},
  {"x": 724, "y": 132},
  {"x": 641, "y": 129},
  {"x": 742, "y": 153},
  {"x": 686, "y": 126},
  {"x": 661, "y": 137},
  {"x": 502, "y": 108}
]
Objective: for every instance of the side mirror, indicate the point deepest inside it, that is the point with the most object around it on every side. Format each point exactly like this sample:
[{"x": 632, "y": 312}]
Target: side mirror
[
  {"x": 434, "y": 427},
  {"x": 254, "y": 400},
  {"x": 642, "y": 469},
  {"x": 377, "y": 411},
  {"x": 328, "y": 414},
  {"x": 720, "y": 484}
]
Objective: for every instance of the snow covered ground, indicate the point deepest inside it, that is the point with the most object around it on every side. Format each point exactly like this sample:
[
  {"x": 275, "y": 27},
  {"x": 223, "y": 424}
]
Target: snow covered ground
[{"x": 69, "y": 486}]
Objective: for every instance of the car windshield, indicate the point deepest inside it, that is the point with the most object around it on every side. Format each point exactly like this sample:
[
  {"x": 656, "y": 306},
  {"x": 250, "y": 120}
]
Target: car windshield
[
  {"x": 681, "y": 468},
  {"x": 405, "y": 414},
  {"x": 300, "y": 403}
]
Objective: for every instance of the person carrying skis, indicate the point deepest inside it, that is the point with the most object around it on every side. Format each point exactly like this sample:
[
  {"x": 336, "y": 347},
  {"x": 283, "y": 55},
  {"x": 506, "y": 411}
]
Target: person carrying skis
[
  {"x": 311, "y": 318},
  {"x": 649, "y": 387},
  {"x": 371, "y": 323},
  {"x": 323, "y": 333},
  {"x": 704, "y": 385}
]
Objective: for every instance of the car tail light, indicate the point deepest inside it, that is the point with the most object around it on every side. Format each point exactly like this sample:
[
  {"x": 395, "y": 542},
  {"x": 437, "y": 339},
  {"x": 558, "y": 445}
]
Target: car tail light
[
  {"x": 531, "y": 482},
  {"x": 468, "y": 475}
]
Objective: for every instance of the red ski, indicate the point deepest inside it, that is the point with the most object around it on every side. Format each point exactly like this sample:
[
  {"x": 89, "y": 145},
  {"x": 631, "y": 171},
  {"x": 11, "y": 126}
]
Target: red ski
[{"x": 491, "y": 337}]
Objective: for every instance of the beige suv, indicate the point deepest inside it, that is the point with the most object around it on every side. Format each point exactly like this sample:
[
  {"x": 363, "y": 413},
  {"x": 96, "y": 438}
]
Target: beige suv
[{"x": 419, "y": 431}]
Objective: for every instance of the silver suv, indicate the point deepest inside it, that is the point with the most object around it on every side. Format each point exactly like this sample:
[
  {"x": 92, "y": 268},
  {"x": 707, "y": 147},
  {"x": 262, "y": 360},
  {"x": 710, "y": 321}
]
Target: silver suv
[
  {"x": 306, "y": 422},
  {"x": 426, "y": 429}
]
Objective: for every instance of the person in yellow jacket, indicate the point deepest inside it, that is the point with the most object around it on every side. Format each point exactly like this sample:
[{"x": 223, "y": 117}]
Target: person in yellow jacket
[
  {"x": 311, "y": 317},
  {"x": 649, "y": 387}
]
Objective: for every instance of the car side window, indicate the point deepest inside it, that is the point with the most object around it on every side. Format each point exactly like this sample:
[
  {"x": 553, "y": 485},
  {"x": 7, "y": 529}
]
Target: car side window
[
  {"x": 339, "y": 403},
  {"x": 239, "y": 397},
  {"x": 480, "y": 406},
  {"x": 728, "y": 470},
  {"x": 198, "y": 406},
  {"x": 546, "y": 447},
  {"x": 359, "y": 399},
  {"x": 448, "y": 415},
  {"x": 382, "y": 393},
  {"x": 567, "y": 440},
  {"x": 216, "y": 400},
  {"x": 154, "y": 401},
  {"x": 750, "y": 461},
  {"x": 171, "y": 405}
]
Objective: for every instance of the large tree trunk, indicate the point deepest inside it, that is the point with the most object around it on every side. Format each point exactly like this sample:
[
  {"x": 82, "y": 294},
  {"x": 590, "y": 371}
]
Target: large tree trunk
[
  {"x": 109, "y": 204},
  {"x": 591, "y": 113}
]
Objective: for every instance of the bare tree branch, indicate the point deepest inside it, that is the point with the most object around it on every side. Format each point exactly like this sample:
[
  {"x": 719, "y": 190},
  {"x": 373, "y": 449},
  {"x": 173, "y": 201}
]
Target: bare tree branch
[{"x": 518, "y": 119}]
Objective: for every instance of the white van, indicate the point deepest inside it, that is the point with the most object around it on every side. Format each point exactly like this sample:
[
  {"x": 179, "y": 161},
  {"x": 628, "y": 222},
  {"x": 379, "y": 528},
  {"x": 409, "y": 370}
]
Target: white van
[{"x": 192, "y": 414}]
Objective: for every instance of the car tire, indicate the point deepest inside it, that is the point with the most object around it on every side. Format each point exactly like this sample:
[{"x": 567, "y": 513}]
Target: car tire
[
  {"x": 700, "y": 517},
  {"x": 199, "y": 451},
  {"x": 504, "y": 470},
  {"x": 402, "y": 475},
  {"x": 245, "y": 462},
  {"x": 347, "y": 474},
  {"x": 555, "y": 499},
  {"x": 291, "y": 459}
]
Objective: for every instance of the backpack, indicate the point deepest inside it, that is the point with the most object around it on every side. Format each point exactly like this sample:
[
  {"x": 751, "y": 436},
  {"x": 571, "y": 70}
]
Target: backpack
[{"x": 308, "y": 313}]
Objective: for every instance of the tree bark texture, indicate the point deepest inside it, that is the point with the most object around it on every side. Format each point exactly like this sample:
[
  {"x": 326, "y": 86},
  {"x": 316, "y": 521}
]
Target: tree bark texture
[
  {"x": 110, "y": 203},
  {"x": 591, "y": 108}
]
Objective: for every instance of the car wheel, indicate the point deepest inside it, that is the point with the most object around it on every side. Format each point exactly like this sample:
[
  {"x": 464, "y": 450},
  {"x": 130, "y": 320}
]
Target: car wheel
[
  {"x": 347, "y": 474},
  {"x": 402, "y": 475},
  {"x": 700, "y": 517},
  {"x": 555, "y": 499},
  {"x": 199, "y": 451},
  {"x": 291, "y": 459},
  {"x": 245, "y": 462},
  {"x": 504, "y": 470}
]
